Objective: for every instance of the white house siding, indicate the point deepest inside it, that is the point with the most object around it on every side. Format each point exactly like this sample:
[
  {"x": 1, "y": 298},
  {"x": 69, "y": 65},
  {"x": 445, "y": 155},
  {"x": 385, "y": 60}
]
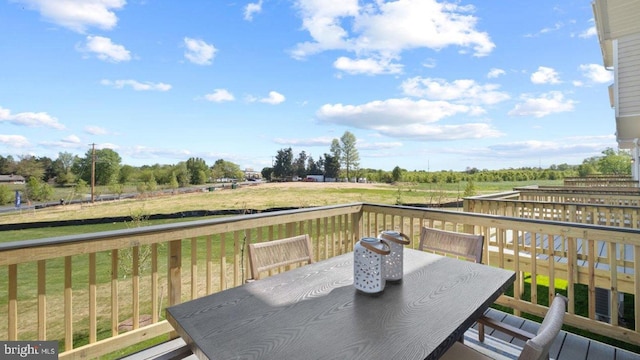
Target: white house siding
[{"x": 628, "y": 76}]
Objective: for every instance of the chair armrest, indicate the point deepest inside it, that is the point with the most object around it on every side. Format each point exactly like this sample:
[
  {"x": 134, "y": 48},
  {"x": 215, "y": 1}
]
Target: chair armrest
[{"x": 506, "y": 328}]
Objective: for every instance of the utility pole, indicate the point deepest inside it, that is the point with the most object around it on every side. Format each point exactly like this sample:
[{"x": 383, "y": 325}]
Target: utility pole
[{"x": 93, "y": 171}]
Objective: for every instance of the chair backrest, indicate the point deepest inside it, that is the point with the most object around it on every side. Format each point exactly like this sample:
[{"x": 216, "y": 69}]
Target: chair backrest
[
  {"x": 270, "y": 255},
  {"x": 538, "y": 347},
  {"x": 461, "y": 245}
]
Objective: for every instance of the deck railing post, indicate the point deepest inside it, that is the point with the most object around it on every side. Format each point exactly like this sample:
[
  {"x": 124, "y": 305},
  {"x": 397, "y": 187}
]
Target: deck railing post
[{"x": 175, "y": 273}]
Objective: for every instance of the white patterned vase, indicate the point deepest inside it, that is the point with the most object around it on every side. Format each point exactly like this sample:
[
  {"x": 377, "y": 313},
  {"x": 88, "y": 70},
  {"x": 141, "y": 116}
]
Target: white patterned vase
[
  {"x": 368, "y": 264},
  {"x": 393, "y": 264}
]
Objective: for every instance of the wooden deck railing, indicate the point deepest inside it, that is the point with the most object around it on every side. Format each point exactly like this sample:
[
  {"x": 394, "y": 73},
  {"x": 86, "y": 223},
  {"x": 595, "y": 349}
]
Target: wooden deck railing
[
  {"x": 582, "y": 256},
  {"x": 629, "y": 196},
  {"x": 80, "y": 289},
  {"x": 601, "y": 181},
  {"x": 605, "y": 215}
]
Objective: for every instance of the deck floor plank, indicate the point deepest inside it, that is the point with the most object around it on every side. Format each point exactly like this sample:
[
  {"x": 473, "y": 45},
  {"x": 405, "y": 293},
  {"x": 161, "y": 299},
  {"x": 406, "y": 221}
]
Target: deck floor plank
[
  {"x": 567, "y": 346},
  {"x": 573, "y": 347},
  {"x": 598, "y": 351},
  {"x": 626, "y": 355}
]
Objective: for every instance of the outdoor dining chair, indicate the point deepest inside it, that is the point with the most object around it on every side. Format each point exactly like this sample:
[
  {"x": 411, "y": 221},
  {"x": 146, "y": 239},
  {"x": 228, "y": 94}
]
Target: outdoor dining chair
[
  {"x": 460, "y": 245},
  {"x": 536, "y": 346},
  {"x": 269, "y": 255}
]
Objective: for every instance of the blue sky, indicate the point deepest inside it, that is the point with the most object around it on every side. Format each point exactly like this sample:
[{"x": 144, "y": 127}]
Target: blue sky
[{"x": 422, "y": 84}]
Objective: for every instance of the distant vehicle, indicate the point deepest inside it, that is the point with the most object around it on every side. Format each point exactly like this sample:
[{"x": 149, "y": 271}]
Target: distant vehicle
[{"x": 314, "y": 178}]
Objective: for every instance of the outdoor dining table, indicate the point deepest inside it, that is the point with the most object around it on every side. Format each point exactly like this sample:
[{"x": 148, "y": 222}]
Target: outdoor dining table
[{"x": 314, "y": 312}]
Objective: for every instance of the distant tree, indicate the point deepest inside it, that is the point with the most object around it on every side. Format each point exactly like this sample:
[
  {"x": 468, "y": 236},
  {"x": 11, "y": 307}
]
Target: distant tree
[
  {"x": 38, "y": 190},
  {"x": 116, "y": 188},
  {"x": 29, "y": 167},
  {"x": 331, "y": 166},
  {"x": 63, "y": 167},
  {"x": 182, "y": 174},
  {"x": 146, "y": 175},
  {"x": 173, "y": 183},
  {"x": 152, "y": 184},
  {"x": 226, "y": 169},
  {"x": 336, "y": 150},
  {"x": 266, "y": 173},
  {"x": 80, "y": 189},
  {"x": 7, "y": 165},
  {"x": 470, "y": 189},
  {"x": 614, "y": 163},
  {"x": 349, "y": 157},
  {"x": 48, "y": 166},
  {"x": 107, "y": 166},
  {"x": 300, "y": 164},
  {"x": 6, "y": 194},
  {"x": 312, "y": 167},
  {"x": 198, "y": 171},
  {"x": 126, "y": 174},
  {"x": 162, "y": 173},
  {"x": 283, "y": 166},
  {"x": 396, "y": 174}
]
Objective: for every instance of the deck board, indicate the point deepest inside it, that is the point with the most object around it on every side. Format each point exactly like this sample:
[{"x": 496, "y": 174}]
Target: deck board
[
  {"x": 597, "y": 352},
  {"x": 567, "y": 346}
]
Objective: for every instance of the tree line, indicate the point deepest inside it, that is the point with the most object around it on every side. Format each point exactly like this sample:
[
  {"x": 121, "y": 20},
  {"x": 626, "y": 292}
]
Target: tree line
[
  {"x": 339, "y": 164},
  {"x": 342, "y": 160},
  {"x": 104, "y": 167}
]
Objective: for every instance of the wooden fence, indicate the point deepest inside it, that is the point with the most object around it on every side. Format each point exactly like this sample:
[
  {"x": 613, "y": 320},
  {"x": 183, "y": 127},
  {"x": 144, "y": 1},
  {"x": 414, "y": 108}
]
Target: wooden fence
[{"x": 100, "y": 292}]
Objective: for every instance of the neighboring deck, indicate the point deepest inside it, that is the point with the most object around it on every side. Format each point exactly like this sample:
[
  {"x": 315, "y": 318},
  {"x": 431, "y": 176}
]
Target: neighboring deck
[{"x": 497, "y": 345}]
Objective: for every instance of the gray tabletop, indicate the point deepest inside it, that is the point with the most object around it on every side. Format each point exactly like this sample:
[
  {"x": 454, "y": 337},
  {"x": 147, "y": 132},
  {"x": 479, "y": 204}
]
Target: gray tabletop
[{"x": 314, "y": 312}]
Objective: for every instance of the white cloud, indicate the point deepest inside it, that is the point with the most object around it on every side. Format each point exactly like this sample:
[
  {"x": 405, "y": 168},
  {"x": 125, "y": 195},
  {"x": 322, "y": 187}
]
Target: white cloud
[
  {"x": 71, "y": 139},
  {"x": 69, "y": 142},
  {"x": 95, "y": 130},
  {"x": 463, "y": 91},
  {"x": 407, "y": 119},
  {"x": 589, "y": 33},
  {"x": 557, "y": 26},
  {"x": 368, "y": 66},
  {"x": 274, "y": 98},
  {"x": 107, "y": 146},
  {"x": 375, "y": 27},
  {"x": 567, "y": 147},
  {"x": 429, "y": 63},
  {"x": 136, "y": 85},
  {"x": 220, "y": 95},
  {"x": 30, "y": 119},
  {"x": 251, "y": 9},
  {"x": 105, "y": 49},
  {"x": 198, "y": 51},
  {"x": 14, "y": 141},
  {"x": 434, "y": 132},
  {"x": 495, "y": 72},
  {"x": 546, "y": 104},
  {"x": 78, "y": 15},
  {"x": 390, "y": 111},
  {"x": 596, "y": 73},
  {"x": 545, "y": 75}
]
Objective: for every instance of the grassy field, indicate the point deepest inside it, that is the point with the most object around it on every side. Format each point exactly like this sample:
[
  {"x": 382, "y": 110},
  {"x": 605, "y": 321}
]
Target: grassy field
[{"x": 263, "y": 196}]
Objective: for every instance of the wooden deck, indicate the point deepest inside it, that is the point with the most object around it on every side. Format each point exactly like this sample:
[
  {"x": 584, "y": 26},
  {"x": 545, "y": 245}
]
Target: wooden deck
[
  {"x": 497, "y": 345},
  {"x": 567, "y": 346}
]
